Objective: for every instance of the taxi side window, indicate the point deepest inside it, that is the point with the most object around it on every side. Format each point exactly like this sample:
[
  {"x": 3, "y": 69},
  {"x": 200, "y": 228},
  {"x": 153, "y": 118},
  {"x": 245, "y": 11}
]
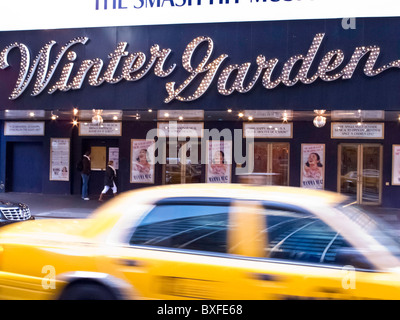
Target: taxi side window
[
  {"x": 195, "y": 227},
  {"x": 303, "y": 237}
]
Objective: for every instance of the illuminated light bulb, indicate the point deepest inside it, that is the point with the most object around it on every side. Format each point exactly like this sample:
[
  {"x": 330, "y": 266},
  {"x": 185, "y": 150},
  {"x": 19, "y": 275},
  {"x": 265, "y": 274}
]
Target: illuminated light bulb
[
  {"x": 229, "y": 110},
  {"x": 285, "y": 117},
  {"x": 97, "y": 119},
  {"x": 150, "y": 110},
  {"x": 75, "y": 122},
  {"x": 319, "y": 121},
  {"x": 250, "y": 118},
  {"x": 115, "y": 118},
  {"x": 240, "y": 115},
  {"x": 180, "y": 118}
]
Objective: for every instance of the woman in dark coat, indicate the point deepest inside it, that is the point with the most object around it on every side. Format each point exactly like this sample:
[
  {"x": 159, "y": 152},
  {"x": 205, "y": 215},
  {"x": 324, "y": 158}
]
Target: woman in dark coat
[{"x": 109, "y": 180}]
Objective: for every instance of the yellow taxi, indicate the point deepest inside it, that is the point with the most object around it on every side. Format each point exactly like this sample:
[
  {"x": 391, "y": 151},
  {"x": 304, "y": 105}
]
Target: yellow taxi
[{"x": 204, "y": 241}]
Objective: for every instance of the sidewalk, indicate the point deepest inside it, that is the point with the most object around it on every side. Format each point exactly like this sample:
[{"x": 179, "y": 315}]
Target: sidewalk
[
  {"x": 389, "y": 215},
  {"x": 72, "y": 206},
  {"x": 54, "y": 206}
]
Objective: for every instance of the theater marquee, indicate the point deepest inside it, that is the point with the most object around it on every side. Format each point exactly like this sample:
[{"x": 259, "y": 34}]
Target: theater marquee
[{"x": 199, "y": 78}]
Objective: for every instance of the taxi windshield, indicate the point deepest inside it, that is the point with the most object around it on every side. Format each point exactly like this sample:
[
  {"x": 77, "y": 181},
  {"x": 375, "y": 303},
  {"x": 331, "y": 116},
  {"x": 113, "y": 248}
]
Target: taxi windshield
[{"x": 373, "y": 225}]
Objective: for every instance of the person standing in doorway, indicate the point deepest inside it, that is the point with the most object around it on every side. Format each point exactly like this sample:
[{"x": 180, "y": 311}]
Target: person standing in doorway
[
  {"x": 109, "y": 180},
  {"x": 86, "y": 168}
]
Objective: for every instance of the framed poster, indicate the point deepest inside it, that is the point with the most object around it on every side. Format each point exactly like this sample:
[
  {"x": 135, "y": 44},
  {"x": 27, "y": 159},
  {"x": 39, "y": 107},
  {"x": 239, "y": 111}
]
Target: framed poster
[
  {"x": 396, "y": 165},
  {"x": 267, "y": 130},
  {"x": 59, "y": 159},
  {"x": 312, "y": 166},
  {"x": 181, "y": 129},
  {"x": 113, "y": 155},
  {"x": 142, "y": 161},
  {"x": 105, "y": 129},
  {"x": 354, "y": 130},
  {"x": 24, "y": 128},
  {"x": 219, "y": 161}
]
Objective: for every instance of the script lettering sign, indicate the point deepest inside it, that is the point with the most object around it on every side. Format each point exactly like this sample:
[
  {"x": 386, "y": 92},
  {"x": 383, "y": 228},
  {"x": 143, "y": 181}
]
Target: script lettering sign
[{"x": 134, "y": 66}]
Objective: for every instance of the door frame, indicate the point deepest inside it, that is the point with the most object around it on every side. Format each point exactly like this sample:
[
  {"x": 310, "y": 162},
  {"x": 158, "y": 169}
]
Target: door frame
[
  {"x": 182, "y": 160},
  {"x": 9, "y": 181},
  {"x": 360, "y": 155},
  {"x": 97, "y": 175},
  {"x": 268, "y": 174}
]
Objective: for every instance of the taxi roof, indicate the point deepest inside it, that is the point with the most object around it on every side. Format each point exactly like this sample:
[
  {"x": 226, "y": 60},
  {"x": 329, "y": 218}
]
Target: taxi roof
[
  {"x": 293, "y": 195},
  {"x": 109, "y": 213}
]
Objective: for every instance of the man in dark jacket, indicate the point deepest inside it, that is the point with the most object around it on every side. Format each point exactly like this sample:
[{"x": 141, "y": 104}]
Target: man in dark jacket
[{"x": 85, "y": 175}]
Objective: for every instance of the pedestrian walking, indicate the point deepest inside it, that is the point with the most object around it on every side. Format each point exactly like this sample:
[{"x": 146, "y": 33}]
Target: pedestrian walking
[
  {"x": 85, "y": 173},
  {"x": 109, "y": 180}
]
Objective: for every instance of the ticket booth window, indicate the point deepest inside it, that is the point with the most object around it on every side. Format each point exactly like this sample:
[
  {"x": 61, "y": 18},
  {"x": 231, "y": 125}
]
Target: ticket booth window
[{"x": 98, "y": 158}]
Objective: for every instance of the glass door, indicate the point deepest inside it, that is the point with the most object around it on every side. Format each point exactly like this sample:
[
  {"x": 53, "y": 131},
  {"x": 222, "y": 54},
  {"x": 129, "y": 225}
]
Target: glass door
[
  {"x": 180, "y": 166},
  {"x": 371, "y": 176},
  {"x": 272, "y": 161},
  {"x": 360, "y": 172}
]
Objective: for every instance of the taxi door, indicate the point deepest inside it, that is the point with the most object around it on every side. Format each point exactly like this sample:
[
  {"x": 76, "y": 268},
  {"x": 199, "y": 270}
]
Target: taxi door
[
  {"x": 267, "y": 277},
  {"x": 274, "y": 280},
  {"x": 180, "y": 251}
]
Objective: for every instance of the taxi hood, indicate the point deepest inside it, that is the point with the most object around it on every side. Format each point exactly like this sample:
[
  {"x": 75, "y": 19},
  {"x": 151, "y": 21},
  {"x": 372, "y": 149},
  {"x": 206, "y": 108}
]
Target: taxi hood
[{"x": 50, "y": 229}]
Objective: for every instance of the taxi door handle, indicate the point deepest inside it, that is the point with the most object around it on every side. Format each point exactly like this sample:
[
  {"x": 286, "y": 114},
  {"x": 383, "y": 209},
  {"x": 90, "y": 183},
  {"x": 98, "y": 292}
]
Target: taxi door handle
[
  {"x": 330, "y": 290},
  {"x": 129, "y": 263},
  {"x": 265, "y": 277}
]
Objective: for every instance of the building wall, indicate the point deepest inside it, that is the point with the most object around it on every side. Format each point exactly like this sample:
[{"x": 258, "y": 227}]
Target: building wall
[
  {"x": 242, "y": 42},
  {"x": 303, "y": 132}
]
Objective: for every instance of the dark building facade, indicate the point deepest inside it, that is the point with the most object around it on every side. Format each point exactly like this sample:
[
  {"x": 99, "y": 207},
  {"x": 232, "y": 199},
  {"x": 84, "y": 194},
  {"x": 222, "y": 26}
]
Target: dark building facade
[{"x": 264, "y": 70}]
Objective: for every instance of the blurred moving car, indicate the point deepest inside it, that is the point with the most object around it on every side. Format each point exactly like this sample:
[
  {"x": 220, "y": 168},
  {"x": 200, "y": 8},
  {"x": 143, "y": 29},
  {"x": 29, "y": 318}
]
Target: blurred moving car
[
  {"x": 204, "y": 241},
  {"x": 370, "y": 178},
  {"x": 11, "y": 212}
]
